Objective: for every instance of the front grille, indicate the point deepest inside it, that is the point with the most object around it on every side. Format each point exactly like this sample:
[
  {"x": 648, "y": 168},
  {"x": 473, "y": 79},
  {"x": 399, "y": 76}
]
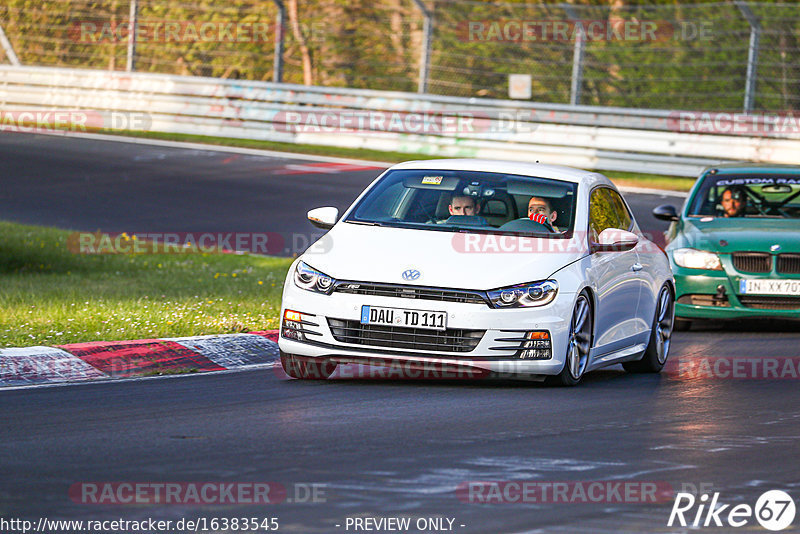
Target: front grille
[
  {"x": 703, "y": 300},
  {"x": 397, "y": 337},
  {"x": 789, "y": 263},
  {"x": 412, "y": 292},
  {"x": 770, "y": 303},
  {"x": 752, "y": 262}
]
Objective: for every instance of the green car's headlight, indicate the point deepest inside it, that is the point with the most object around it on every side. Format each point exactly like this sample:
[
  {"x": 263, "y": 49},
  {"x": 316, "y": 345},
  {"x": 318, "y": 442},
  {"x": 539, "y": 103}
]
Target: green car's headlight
[
  {"x": 524, "y": 295},
  {"x": 312, "y": 280},
  {"x": 696, "y": 259}
]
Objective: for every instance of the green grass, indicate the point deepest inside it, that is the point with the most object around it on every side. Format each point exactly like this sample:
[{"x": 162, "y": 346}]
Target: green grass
[
  {"x": 51, "y": 296},
  {"x": 655, "y": 181}
]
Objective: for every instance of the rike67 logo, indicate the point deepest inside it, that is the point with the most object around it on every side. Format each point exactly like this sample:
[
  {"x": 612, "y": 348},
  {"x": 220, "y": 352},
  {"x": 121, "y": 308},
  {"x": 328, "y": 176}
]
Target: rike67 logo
[{"x": 774, "y": 510}]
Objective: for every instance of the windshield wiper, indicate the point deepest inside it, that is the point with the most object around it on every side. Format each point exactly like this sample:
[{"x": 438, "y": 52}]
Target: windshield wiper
[{"x": 365, "y": 223}]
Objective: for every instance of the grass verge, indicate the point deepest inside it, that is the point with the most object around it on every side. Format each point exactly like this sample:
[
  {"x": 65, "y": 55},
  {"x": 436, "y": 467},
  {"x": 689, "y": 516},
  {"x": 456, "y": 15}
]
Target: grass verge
[
  {"x": 51, "y": 296},
  {"x": 654, "y": 181}
]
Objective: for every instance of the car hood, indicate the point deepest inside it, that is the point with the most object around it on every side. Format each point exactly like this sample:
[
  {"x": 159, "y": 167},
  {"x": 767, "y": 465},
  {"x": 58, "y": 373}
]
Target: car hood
[
  {"x": 757, "y": 235},
  {"x": 444, "y": 259}
]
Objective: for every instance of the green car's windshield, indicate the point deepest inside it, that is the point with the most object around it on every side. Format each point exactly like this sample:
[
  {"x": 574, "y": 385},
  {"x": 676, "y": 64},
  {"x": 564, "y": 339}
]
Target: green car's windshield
[
  {"x": 748, "y": 195},
  {"x": 468, "y": 201}
]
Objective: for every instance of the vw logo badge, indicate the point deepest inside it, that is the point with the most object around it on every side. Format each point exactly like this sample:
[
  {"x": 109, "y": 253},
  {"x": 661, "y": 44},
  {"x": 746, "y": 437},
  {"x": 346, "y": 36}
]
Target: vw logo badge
[
  {"x": 775, "y": 248},
  {"x": 411, "y": 274}
]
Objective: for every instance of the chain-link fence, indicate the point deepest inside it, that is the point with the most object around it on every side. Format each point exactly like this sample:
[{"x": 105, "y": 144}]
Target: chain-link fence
[{"x": 713, "y": 56}]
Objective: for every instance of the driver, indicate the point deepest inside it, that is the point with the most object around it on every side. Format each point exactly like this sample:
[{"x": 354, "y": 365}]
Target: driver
[
  {"x": 734, "y": 202},
  {"x": 541, "y": 206},
  {"x": 463, "y": 205}
]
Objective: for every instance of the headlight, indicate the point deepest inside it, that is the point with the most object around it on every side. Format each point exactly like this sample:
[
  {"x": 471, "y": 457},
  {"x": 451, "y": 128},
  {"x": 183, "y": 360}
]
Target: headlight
[
  {"x": 696, "y": 259},
  {"x": 524, "y": 295},
  {"x": 311, "y": 279}
]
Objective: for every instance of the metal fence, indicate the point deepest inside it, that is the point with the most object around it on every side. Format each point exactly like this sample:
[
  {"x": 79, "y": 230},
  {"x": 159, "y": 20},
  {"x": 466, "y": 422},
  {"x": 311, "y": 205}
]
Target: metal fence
[
  {"x": 651, "y": 141},
  {"x": 714, "y": 56}
]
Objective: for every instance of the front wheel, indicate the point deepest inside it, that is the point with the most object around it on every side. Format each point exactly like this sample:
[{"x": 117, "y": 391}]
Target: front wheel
[
  {"x": 655, "y": 356},
  {"x": 579, "y": 342},
  {"x": 306, "y": 368}
]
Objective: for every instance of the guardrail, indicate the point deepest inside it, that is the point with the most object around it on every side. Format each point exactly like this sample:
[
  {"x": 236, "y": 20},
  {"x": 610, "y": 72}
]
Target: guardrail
[{"x": 645, "y": 141}]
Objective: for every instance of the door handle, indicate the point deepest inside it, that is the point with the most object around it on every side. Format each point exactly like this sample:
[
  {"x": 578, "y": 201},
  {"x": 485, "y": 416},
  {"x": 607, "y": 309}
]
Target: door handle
[{"x": 637, "y": 267}]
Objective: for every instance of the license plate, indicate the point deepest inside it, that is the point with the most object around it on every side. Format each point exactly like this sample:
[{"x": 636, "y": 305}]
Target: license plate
[
  {"x": 769, "y": 287},
  {"x": 433, "y": 320}
]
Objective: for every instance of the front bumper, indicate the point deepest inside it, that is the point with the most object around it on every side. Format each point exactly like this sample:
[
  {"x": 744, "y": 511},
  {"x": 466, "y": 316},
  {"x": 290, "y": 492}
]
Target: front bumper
[
  {"x": 491, "y": 353},
  {"x": 706, "y": 284}
]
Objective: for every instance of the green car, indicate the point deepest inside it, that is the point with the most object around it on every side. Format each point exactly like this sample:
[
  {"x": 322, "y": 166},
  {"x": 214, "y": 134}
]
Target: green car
[{"x": 734, "y": 247}]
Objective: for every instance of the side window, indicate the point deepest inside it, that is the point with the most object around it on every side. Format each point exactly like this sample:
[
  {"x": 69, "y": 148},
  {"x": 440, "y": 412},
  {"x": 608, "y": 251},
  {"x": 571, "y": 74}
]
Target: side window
[
  {"x": 624, "y": 218},
  {"x": 602, "y": 212}
]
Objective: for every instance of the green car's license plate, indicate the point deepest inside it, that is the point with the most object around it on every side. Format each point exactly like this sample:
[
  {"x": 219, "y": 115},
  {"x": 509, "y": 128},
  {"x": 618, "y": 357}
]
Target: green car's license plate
[{"x": 769, "y": 287}]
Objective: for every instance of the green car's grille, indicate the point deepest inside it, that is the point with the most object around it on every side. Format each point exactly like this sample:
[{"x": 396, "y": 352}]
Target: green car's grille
[
  {"x": 789, "y": 263},
  {"x": 752, "y": 262},
  {"x": 770, "y": 303}
]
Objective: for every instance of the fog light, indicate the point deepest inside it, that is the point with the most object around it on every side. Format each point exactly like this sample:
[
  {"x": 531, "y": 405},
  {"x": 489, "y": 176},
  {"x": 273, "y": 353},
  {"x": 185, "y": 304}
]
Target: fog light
[
  {"x": 290, "y": 315},
  {"x": 292, "y": 327},
  {"x": 538, "y": 346}
]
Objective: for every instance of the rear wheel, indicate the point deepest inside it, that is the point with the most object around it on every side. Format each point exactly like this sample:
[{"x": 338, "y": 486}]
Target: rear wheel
[
  {"x": 579, "y": 342},
  {"x": 306, "y": 368},
  {"x": 655, "y": 356}
]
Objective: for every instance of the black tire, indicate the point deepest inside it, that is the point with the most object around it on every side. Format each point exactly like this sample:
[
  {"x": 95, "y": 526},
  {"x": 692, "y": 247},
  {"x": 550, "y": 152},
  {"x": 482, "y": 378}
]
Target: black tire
[
  {"x": 306, "y": 368},
  {"x": 682, "y": 325},
  {"x": 657, "y": 351},
  {"x": 580, "y": 343}
]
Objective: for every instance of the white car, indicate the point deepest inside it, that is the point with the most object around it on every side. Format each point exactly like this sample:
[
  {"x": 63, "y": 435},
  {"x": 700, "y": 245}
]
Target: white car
[{"x": 398, "y": 281}]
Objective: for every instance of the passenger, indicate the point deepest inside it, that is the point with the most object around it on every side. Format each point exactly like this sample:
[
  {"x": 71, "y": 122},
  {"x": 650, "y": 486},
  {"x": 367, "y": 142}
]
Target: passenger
[
  {"x": 538, "y": 207},
  {"x": 734, "y": 202}
]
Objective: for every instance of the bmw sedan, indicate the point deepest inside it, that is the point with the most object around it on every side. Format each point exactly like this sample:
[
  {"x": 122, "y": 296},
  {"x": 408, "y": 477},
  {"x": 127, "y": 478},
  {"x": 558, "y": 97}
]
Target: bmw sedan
[
  {"x": 735, "y": 245},
  {"x": 509, "y": 268}
]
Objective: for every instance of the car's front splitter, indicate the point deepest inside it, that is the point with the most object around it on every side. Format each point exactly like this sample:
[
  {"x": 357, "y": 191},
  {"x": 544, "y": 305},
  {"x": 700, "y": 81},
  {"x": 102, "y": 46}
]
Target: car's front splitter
[{"x": 713, "y": 286}]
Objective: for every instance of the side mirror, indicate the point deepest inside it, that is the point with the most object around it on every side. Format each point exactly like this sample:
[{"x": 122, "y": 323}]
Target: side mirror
[
  {"x": 665, "y": 212},
  {"x": 323, "y": 218},
  {"x": 615, "y": 240}
]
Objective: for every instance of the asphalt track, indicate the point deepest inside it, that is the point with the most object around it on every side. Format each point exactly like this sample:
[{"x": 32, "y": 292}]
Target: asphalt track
[{"x": 379, "y": 448}]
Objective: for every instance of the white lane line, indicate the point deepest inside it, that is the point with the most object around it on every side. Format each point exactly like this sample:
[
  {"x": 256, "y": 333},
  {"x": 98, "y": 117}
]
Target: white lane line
[
  {"x": 651, "y": 191},
  {"x": 214, "y": 148},
  {"x": 282, "y": 155},
  {"x": 109, "y": 380}
]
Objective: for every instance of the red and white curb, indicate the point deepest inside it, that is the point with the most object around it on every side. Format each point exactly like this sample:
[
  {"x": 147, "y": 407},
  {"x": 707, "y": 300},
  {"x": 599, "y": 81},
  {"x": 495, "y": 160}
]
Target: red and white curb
[{"x": 99, "y": 360}]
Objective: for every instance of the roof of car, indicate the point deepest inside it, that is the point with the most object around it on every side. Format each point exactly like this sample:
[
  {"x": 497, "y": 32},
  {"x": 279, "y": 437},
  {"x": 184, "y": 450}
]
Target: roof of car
[
  {"x": 556, "y": 172},
  {"x": 735, "y": 168}
]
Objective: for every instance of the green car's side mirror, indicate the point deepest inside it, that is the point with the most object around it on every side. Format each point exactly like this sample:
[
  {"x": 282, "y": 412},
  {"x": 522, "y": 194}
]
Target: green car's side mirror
[{"x": 665, "y": 212}]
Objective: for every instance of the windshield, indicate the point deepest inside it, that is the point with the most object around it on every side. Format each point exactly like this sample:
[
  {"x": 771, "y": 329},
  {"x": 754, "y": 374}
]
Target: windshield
[
  {"x": 469, "y": 201},
  {"x": 748, "y": 195}
]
